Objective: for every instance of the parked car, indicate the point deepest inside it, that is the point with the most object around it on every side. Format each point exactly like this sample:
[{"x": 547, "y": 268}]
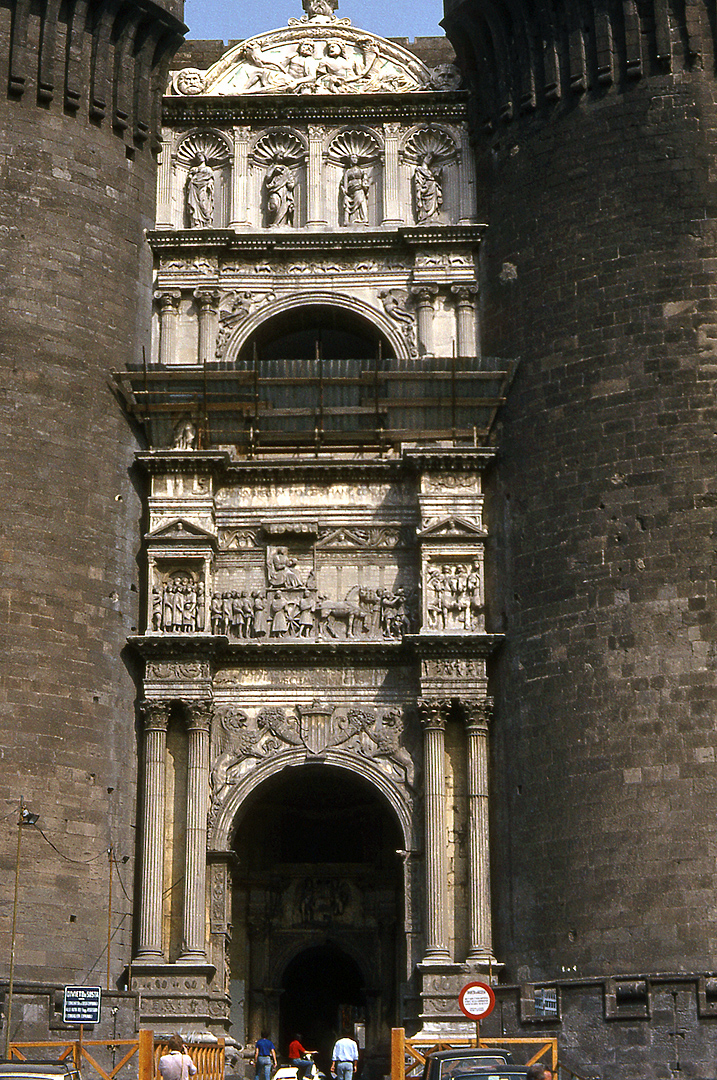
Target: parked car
[
  {"x": 38, "y": 1070},
  {"x": 471, "y": 1063}
]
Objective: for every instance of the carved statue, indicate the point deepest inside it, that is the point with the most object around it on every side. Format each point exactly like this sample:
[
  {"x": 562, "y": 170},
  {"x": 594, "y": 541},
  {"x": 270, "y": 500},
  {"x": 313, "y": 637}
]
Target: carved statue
[
  {"x": 394, "y": 304},
  {"x": 427, "y": 190},
  {"x": 354, "y": 190},
  {"x": 281, "y": 571},
  {"x": 261, "y": 76},
  {"x": 178, "y": 607},
  {"x": 189, "y": 81},
  {"x": 336, "y": 70},
  {"x": 200, "y": 194},
  {"x": 185, "y": 435},
  {"x": 386, "y": 735},
  {"x": 320, "y": 8},
  {"x": 280, "y": 184}
]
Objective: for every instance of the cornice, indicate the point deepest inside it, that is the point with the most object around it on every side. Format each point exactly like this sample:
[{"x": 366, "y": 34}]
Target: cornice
[
  {"x": 334, "y": 108},
  {"x": 221, "y": 465},
  {"x": 223, "y": 651},
  {"x": 267, "y": 240}
]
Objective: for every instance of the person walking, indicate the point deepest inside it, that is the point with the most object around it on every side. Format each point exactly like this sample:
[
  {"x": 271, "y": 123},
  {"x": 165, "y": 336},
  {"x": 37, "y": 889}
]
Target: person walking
[
  {"x": 176, "y": 1064},
  {"x": 344, "y": 1058},
  {"x": 264, "y": 1057},
  {"x": 298, "y": 1058}
]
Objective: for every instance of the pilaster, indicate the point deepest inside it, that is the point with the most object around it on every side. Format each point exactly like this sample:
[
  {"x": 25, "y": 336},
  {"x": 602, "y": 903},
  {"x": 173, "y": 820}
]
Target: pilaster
[{"x": 238, "y": 214}]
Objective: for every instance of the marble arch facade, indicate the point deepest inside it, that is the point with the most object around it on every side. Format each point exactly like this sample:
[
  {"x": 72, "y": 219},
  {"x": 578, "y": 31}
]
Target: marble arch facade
[{"x": 316, "y": 543}]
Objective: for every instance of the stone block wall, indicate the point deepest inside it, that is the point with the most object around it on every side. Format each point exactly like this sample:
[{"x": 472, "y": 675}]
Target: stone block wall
[
  {"x": 596, "y": 156},
  {"x": 77, "y": 174}
]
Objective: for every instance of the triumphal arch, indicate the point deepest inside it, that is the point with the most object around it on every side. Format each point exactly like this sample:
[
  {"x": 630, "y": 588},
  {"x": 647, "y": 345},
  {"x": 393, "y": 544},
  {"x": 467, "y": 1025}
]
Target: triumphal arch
[{"x": 319, "y": 425}]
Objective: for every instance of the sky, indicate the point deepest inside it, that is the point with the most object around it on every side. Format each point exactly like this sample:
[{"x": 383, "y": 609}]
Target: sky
[{"x": 228, "y": 19}]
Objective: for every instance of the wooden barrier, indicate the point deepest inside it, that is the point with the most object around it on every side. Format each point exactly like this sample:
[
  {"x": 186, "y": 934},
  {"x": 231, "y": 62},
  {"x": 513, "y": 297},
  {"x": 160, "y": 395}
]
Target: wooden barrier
[
  {"x": 409, "y": 1055},
  {"x": 208, "y": 1057}
]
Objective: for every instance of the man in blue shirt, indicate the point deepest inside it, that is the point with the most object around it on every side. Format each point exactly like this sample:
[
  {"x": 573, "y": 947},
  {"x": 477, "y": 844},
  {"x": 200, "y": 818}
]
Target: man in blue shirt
[{"x": 264, "y": 1057}]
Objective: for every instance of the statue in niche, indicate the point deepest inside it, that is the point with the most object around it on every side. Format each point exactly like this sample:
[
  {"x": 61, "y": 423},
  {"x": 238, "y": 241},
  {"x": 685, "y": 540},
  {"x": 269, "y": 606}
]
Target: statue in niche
[
  {"x": 185, "y": 435},
  {"x": 427, "y": 190},
  {"x": 200, "y": 194},
  {"x": 280, "y": 184},
  {"x": 354, "y": 190}
]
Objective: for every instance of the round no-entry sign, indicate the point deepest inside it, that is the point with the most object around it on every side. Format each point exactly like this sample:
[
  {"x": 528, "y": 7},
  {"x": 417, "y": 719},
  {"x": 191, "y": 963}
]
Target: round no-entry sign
[{"x": 476, "y": 1000}]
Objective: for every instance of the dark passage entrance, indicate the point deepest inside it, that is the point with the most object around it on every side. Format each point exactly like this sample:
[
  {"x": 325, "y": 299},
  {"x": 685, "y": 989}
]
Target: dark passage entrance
[
  {"x": 318, "y": 935},
  {"x": 323, "y": 989}
]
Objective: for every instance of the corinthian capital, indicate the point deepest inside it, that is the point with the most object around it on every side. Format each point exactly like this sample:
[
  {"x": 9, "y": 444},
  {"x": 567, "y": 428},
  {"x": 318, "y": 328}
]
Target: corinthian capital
[
  {"x": 477, "y": 712},
  {"x": 199, "y": 715},
  {"x": 155, "y": 714},
  {"x": 433, "y": 712}
]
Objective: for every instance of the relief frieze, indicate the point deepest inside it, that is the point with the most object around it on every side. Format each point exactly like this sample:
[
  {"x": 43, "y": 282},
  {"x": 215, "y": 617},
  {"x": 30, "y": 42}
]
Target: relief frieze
[{"x": 242, "y": 738}]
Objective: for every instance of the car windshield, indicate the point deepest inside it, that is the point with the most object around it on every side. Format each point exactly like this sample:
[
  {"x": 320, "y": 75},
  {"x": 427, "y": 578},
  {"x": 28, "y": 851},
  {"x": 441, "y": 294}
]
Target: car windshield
[{"x": 461, "y": 1067}]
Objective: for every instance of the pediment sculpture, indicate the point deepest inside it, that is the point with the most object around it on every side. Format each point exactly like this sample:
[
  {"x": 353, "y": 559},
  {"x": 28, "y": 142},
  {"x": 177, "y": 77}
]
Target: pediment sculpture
[{"x": 317, "y": 54}]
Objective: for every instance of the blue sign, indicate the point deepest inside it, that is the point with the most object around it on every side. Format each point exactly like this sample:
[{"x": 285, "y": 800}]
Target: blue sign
[{"x": 82, "y": 1005}]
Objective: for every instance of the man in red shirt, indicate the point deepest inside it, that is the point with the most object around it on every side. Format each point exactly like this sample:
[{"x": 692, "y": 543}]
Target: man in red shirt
[{"x": 298, "y": 1058}]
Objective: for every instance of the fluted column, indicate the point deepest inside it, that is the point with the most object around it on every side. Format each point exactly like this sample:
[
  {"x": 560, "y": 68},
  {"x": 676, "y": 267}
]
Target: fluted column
[
  {"x": 149, "y": 945},
  {"x": 207, "y": 306},
  {"x": 466, "y": 332},
  {"x": 194, "y": 947},
  {"x": 240, "y": 174},
  {"x": 316, "y": 214},
  {"x": 168, "y": 312},
  {"x": 477, "y": 718},
  {"x": 391, "y": 201},
  {"x": 433, "y": 718},
  {"x": 424, "y": 295}
]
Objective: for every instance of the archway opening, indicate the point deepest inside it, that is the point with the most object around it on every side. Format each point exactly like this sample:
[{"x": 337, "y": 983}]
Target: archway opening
[
  {"x": 323, "y": 995},
  {"x": 318, "y": 938},
  {"x": 303, "y": 333}
]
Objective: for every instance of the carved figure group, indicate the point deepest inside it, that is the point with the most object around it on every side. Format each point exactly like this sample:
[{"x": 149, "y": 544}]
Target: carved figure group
[
  {"x": 178, "y": 606},
  {"x": 294, "y": 610},
  {"x": 200, "y": 194},
  {"x": 427, "y": 190},
  {"x": 455, "y": 598},
  {"x": 306, "y": 72},
  {"x": 239, "y": 614}
]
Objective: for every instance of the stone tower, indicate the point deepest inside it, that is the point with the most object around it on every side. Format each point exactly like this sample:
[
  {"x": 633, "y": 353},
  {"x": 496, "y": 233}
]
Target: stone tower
[
  {"x": 78, "y": 116},
  {"x": 594, "y": 131}
]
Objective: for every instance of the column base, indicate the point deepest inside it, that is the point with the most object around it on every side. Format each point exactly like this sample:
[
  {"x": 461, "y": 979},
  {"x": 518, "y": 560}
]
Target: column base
[
  {"x": 149, "y": 957},
  {"x": 181, "y": 993},
  {"x": 194, "y": 958}
]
